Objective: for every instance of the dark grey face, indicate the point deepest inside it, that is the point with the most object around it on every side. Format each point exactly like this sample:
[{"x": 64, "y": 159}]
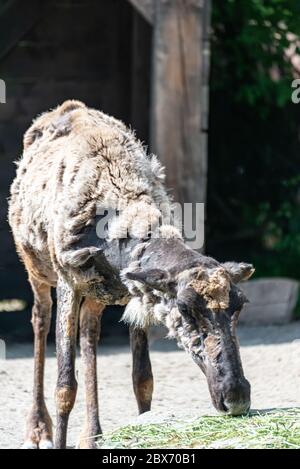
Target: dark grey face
[
  {"x": 202, "y": 304},
  {"x": 210, "y": 336}
]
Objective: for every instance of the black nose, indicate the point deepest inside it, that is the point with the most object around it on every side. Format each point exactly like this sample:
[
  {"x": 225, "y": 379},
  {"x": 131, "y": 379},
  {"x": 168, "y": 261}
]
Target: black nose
[
  {"x": 236, "y": 397},
  {"x": 236, "y": 408}
]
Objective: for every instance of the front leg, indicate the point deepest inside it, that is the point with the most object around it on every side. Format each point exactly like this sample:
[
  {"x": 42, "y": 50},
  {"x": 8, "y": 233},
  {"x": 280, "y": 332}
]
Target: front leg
[
  {"x": 90, "y": 317},
  {"x": 141, "y": 369},
  {"x": 68, "y": 304}
]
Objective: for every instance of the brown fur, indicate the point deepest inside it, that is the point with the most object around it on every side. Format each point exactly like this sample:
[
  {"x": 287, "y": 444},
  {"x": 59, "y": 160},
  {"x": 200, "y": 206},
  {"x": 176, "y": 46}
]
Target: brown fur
[
  {"x": 76, "y": 162},
  {"x": 212, "y": 346},
  {"x": 141, "y": 369},
  {"x": 39, "y": 424},
  {"x": 90, "y": 315},
  {"x": 214, "y": 287},
  {"x": 65, "y": 398}
]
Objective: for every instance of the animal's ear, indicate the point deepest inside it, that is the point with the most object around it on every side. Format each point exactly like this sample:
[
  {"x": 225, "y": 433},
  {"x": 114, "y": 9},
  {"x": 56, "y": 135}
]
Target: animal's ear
[
  {"x": 239, "y": 271},
  {"x": 155, "y": 278},
  {"x": 79, "y": 257},
  {"x": 87, "y": 258}
]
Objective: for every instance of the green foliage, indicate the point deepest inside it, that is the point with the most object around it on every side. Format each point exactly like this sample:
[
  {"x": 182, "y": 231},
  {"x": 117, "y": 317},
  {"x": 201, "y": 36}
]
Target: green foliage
[
  {"x": 251, "y": 39},
  {"x": 254, "y": 152}
]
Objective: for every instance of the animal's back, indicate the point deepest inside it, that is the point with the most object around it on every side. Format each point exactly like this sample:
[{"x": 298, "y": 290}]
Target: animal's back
[{"x": 77, "y": 160}]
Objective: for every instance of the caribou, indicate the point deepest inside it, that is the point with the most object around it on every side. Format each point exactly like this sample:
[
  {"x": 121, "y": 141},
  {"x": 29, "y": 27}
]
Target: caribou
[{"x": 77, "y": 164}]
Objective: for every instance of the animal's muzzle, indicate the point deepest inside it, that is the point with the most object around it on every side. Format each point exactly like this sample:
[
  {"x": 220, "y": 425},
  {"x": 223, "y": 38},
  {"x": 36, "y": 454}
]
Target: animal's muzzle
[{"x": 235, "y": 399}]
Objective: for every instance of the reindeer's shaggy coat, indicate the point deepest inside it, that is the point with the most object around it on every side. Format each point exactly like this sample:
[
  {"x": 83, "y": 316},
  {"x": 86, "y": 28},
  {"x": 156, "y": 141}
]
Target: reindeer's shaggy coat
[{"x": 77, "y": 161}]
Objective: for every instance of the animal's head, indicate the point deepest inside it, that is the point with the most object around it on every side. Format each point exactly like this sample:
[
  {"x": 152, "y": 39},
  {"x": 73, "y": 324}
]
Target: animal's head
[{"x": 201, "y": 306}]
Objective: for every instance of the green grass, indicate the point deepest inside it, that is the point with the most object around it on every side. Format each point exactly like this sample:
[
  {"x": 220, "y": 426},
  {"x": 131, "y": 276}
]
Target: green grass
[{"x": 279, "y": 429}]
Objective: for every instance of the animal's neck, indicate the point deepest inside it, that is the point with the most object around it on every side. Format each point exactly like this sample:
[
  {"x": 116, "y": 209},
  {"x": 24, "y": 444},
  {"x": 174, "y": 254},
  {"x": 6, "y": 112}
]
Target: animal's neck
[
  {"x": 132, "y": 253},
  {"x": 150, "y": 306},
  {"x": 171, "y": 254},
  {"x": 118, "y": 252}
]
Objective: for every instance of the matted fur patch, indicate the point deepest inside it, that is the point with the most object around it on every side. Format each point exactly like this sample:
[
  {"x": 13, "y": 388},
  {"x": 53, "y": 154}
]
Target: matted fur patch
[{"x": 214, "y": 287}]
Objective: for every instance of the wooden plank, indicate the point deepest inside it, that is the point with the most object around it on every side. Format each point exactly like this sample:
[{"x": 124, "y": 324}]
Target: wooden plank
[
  {"x": 16, "y": 18},
  {"x": 140, "y": 82},
  {"x": 145, "y": 8},
  {"x": 206, "y": 64},
  {"x": 176, "y": 121},
  {"x": 205, "y": 82}
]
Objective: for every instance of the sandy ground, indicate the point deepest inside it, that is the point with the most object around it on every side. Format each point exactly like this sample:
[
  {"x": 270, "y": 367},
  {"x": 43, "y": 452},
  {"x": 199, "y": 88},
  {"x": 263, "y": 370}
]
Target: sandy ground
[{"x": 271, "y": 358}]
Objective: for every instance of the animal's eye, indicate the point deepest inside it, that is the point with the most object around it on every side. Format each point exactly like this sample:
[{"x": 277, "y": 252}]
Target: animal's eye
[{"x": 183, "y": 309}]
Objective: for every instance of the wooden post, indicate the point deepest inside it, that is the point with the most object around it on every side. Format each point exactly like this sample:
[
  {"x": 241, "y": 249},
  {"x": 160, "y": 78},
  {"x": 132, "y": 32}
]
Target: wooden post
[
  {"x": 205, "y": 77},
  {"x": 140, "y": 80},
  {"x": 179, "y": 72},
  {"x": 145, "y": 8}
]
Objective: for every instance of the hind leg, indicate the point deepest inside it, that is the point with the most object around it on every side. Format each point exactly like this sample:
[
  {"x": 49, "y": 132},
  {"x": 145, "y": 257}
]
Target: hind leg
[{"x": 39, "y": 425}]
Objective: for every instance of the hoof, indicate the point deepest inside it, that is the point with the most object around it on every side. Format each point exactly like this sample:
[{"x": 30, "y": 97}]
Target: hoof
[
  {"x": 29, "y": 445},
  {"x": 46, "y": 444},
  {"x": 43, "y": 444},
  {"x": 39, "y": 430}
]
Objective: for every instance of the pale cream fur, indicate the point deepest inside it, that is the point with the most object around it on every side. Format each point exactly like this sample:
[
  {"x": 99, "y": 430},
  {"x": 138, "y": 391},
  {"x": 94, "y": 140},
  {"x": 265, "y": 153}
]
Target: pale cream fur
[{"x": 75, "y": 161}]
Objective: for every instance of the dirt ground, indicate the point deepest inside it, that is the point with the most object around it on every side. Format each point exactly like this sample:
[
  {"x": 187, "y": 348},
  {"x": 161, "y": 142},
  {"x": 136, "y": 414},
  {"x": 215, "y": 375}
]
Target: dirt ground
[{"x": 271, "y": 359}]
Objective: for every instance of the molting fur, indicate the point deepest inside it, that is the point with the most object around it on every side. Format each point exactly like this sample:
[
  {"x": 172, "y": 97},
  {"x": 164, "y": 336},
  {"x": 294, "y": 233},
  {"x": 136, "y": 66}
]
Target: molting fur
[{"x": 86, "y": 161}]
